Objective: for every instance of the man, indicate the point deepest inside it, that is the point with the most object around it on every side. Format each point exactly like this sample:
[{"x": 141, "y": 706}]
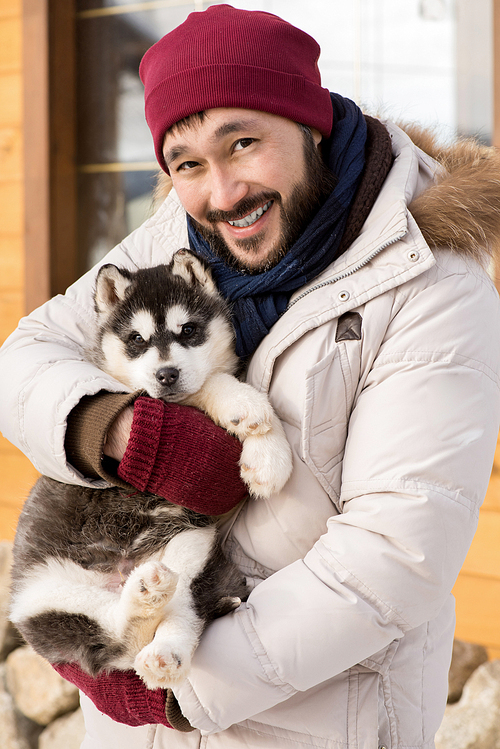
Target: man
[{"x": 380, "y": 355}]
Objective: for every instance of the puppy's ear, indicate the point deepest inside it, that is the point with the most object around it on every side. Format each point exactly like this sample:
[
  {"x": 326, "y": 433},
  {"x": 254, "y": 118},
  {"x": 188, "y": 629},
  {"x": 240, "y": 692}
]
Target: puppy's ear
[
  {"x": 193, "y": 271},
  {"x": 110, "y": 288}
]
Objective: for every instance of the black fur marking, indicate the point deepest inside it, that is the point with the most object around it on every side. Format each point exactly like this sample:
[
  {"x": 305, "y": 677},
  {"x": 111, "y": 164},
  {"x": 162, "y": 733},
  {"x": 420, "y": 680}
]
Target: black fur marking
[
  {"x": 156, "y": 290},
  {"x": 102, "y": 530},
  {"x": 216, "y": 584},
  {"x": 60, "y": 637},
  {"x": 136, "y": 345}
]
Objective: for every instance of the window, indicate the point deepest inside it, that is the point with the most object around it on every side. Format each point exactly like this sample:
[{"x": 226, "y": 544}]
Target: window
[
  {"x": 90, "y": 166},
  {"x": 116, "y": 162}
]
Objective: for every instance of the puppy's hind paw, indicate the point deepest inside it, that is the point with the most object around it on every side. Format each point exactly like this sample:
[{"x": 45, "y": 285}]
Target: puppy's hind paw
[
  {"x": 161, "y": 668},
  {"x": 153, "y": 583}
]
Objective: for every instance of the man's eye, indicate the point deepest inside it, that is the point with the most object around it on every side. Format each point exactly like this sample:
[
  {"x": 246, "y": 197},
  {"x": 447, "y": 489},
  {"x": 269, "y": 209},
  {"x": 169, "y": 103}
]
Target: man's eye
[
  {"x": 188, "y": 330},
  {"x": 243, "y": 143},
  {"x": 186, "y": 165}
]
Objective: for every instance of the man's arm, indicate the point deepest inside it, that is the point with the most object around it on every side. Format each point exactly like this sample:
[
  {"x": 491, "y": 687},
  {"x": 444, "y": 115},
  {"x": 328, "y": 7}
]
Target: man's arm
[
  {"x": 44, "y": 368},
  {"x": 170, "y": 450},
  {"x": 118, "y": 435},
  {"x": 45, "y": 374}
]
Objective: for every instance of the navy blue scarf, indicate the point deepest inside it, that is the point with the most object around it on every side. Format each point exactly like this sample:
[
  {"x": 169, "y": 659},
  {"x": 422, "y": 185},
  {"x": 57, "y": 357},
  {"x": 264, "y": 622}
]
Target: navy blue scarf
[{"x": 257, "y": 301}]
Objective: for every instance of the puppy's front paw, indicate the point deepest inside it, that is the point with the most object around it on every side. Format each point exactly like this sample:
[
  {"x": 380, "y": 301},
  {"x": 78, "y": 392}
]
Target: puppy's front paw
[
  {"x": 265, "y": 463},
  {"x": 251, "y": 415},
  {"x": 160, "y": 667}
]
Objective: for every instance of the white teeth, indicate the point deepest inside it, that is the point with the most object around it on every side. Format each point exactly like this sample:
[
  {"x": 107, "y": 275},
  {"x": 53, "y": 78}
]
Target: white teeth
[{"x": 252, "y": 217}]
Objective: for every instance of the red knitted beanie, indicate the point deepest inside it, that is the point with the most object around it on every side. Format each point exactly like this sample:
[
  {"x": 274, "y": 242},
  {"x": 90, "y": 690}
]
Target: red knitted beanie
[{"x": 224, "y": 57}]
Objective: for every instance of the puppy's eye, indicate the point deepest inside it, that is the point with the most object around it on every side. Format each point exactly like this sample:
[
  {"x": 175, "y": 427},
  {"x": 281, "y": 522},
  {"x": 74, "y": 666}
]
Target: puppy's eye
[
  {"x": 188, "y": 330},
  {"x": 137, "y": 339}
]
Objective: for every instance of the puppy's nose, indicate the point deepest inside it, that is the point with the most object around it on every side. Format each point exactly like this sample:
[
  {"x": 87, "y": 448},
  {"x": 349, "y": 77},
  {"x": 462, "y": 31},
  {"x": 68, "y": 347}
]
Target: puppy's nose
[{"x": 167, "y": 375}]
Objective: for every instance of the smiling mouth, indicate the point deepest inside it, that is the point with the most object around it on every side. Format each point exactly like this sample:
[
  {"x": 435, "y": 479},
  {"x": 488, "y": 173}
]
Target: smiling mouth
[{"x": 252, "y": 217}]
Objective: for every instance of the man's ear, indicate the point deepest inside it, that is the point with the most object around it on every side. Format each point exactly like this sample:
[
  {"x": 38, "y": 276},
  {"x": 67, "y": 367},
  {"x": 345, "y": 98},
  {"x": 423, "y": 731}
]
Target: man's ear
[
  {"x": 317, "y": 137},
  {"x": 110, "y": 288},
  {"x": 193, "y": 271}
]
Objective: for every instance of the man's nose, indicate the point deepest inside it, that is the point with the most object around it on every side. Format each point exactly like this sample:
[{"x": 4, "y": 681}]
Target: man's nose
[{"x": 226, "y": 189}]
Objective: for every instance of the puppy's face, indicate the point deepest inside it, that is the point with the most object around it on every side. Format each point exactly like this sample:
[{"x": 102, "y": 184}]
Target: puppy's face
[
  {"x": 162, "y": 331},
  {"x": 170, "y": 355}
]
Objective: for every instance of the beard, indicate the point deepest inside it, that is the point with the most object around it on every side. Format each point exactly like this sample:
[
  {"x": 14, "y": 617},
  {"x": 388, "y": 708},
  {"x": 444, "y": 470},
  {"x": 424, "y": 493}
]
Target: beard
[{"x": 306, "y": 198}]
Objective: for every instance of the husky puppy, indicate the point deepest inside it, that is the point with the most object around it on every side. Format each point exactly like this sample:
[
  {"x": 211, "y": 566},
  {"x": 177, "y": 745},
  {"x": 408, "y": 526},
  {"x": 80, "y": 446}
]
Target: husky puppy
[{"x": 117, "y": 580}]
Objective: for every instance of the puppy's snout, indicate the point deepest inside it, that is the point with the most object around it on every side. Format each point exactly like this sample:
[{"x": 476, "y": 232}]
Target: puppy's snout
[{"x": 167, "y": 375}]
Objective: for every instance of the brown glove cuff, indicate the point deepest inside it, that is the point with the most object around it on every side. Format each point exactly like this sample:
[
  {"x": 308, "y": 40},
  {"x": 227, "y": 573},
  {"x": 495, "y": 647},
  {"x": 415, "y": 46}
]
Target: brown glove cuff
[
  {"x": 88, "y": 424},
  {"x": 174, "y": 715}
]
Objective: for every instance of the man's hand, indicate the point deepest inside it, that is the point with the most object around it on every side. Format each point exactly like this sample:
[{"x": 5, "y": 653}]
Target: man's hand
[
  {"x": 118, "y": 435},
  {"x": 178, "y": 453},
  {"x": 123, "y": 696}
]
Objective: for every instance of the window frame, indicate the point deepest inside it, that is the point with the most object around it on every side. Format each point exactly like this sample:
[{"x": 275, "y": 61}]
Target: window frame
[{"x": 49, "y": 134}]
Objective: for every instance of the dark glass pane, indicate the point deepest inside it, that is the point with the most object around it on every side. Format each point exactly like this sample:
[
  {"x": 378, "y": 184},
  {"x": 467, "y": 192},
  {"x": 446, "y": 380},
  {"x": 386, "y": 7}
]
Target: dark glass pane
[
  {"x": 111, "y": 205},
  {"x": 111, "y": 124},
  {"x": 89, "y": 4},
  {"x": 82, "y": 5}
]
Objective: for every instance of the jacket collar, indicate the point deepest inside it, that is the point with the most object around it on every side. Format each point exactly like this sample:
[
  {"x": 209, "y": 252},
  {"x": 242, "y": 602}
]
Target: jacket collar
[{"x": 389, "y": 251}]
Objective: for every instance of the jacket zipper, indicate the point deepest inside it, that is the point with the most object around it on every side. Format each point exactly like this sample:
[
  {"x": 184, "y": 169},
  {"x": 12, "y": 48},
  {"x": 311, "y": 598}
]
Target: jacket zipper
[{"x": 348, "y": 272}]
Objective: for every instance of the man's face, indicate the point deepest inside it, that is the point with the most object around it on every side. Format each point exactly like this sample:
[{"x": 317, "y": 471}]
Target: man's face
[{"x": 244, "y": 178}]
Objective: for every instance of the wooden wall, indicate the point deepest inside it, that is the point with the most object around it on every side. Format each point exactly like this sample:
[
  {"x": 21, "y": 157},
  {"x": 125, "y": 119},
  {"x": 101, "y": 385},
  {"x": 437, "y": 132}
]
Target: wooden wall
[
  {"x": 477, "y": 590},
  {"x": 17, "y": 474}
]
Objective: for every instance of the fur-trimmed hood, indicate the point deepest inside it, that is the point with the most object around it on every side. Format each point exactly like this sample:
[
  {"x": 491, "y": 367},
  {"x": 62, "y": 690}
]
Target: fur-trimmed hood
[{"x": 462, "y": 210}]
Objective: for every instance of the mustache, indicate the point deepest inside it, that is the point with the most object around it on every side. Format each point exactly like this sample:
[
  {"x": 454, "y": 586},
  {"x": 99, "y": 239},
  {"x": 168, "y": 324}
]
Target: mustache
[{"x": 244, "y": 207}]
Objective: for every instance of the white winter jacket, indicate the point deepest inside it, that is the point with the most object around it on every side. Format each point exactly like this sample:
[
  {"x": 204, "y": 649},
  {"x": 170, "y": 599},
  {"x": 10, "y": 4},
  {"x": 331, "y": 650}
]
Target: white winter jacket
[{"x": 385, "y": 373}]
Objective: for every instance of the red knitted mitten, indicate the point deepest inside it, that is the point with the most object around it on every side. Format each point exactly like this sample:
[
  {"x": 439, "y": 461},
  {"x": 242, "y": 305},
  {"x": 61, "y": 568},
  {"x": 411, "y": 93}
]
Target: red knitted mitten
[
  {"x": 120, "y": 694},
  {"x": 180, "y": 454}
]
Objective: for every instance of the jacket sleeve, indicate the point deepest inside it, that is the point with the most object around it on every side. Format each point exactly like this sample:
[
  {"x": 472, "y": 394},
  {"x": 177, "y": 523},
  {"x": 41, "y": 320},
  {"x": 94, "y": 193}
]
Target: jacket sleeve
[
  {"x": 44, "y": 374},
  {"x": 417, "y": 462}
]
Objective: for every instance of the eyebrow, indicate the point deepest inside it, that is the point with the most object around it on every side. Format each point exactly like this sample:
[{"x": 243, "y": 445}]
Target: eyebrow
[
  {"x": 173, "y": 153},
  {"x": 227, "y": 128},
  {"x": 234, "y": 127}
]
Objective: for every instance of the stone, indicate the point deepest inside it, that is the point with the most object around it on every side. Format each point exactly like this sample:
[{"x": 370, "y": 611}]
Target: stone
[
  {"x": 16, "y": 731},
  {"x": 9, "y": 730},
  {"x": 9, "y": 637},
  {"x": 38, "y": 691},
  {"x": 474, "y": 721},
  {"x": 64, "y": 733},
  {"x": 465, "y": 659}
]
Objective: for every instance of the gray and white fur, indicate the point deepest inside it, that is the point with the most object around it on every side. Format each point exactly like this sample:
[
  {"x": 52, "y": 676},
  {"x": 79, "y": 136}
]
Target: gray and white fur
[{"x": 117, "y": 580}]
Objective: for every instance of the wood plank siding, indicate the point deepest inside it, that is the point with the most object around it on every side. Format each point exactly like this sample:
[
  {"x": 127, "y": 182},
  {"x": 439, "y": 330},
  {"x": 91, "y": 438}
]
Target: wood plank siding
[
  {"x": 477, "y": 590},
  {"x": 17, "y": 474}
]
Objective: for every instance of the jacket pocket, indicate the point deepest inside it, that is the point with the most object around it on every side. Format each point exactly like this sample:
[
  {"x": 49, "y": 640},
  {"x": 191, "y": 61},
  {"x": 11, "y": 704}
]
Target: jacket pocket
[
  {"x": 330, "y": 387},
  {"x": 362, "y": 709}
]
